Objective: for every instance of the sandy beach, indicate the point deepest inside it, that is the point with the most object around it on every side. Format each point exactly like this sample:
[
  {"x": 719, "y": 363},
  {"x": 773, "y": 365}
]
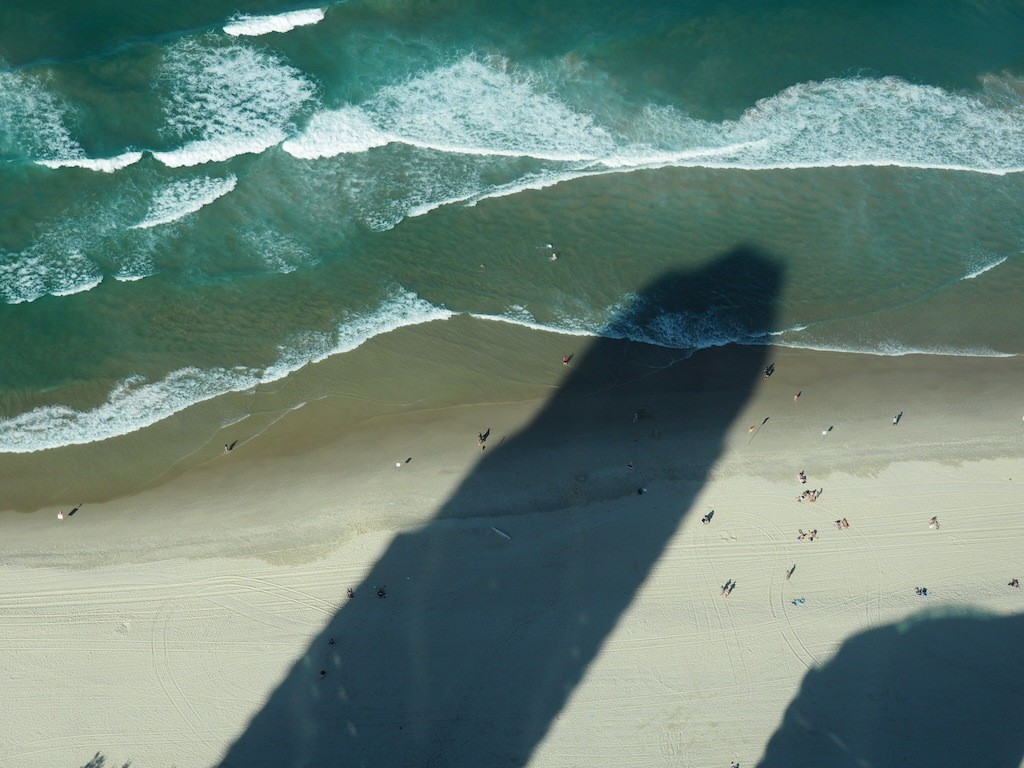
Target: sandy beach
[{"x": 537, "y": 609}]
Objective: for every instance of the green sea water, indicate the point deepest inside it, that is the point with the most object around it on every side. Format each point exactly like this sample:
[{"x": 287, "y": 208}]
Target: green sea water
[{"x": 202, "y": 198}]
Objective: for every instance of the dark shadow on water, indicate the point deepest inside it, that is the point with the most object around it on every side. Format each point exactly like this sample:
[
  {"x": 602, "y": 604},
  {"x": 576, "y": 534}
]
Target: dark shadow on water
[
  {"x": 482, "y": 638},
  {"x": 935, "y": 690}
]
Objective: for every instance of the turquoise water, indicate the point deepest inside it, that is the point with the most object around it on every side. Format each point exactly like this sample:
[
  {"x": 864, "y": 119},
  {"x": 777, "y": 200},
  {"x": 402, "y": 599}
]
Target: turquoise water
[{"x": 197, "y": 200}]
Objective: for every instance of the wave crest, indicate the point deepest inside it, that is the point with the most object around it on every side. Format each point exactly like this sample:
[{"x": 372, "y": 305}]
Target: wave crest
[
  {"x": 227, "y": 101},
  {"x": 243, "y": 25}
]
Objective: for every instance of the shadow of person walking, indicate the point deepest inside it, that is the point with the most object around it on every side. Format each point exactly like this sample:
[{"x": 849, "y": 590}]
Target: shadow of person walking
[{"x": 484, "y": 637}]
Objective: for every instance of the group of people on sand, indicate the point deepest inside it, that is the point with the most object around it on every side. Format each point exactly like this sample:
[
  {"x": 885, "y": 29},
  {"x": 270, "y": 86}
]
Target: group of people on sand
[
  {"x": 810, "y": 495},
  {"x": 808, "y": 536},
  {"x": 840, "y": 524}
]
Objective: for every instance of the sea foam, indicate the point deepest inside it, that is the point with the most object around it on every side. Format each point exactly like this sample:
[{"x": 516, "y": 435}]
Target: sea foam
[
  {"x": 470, "y": 107},
  {"x": 981, "y": 267},
  {"x": 478, "y": 107},
  {"x": 102, "y": 164},
  {"x": 137, "y": 403},
  {"x": 226, "y": 101},
  {"x": 243, "y": 25},
  {"x": 32, "y": 120},
  {"x": 40, "y": 271},
  {"x": 181, "y": 198},
  {"x": 487, "y": 109}
]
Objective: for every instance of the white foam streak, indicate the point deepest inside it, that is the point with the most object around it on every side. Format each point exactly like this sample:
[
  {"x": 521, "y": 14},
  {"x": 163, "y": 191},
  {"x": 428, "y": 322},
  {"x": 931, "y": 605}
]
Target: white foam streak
[
  {"x": 471, "y": 107},
  {"x": 335, "y": 132},
  {"x": 134, "y": 404},
  {"x": 282, "y": 22},
  {"x": 137, "y": 403},
  {"x": 37, "y": 272},
  {"x": 526, "y": 321},
  {"x": 228, "y": 101},
  {"x": 103, "y": 165},
  {"x": 894, "y": 349},
  {"x": 481, "y": 107},
  {"x": 184, "y": 197},
  {"x": 689, "y": 333},
  {"x": 32, "y": 120},
  {"x": 980, "y": 270}
]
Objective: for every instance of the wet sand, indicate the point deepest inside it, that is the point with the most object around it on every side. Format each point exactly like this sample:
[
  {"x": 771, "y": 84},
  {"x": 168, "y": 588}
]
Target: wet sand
[{"x": 194, "y": 587}]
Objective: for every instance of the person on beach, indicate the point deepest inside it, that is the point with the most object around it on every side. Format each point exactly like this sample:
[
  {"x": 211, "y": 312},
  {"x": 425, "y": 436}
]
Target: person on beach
[
  {"x": 1014, "y": 583},
  {"x": 896, "y": 418},
  {"x": 229, "y": 448},
  {"x": 934, "y": 523},
  {"x": 60, "y": 515},
  {"x": 798, "y": 601},
  {"x": 839, "y": 524},
  {"x": 566, "y": 359},
  {"x": 796, "y": 395},
  {"x": 790, "y": 571},
  {"x": 845, "y": 523},
  {"x": 769, "y": 370},
  {"x": 801, "y": 476},
  {"x": 922, "y": 591},
  {"x": 707, "y": 518},
  {"x": 802, "y": 535},
  {"x": 813, "y": 535},
  {"x": 351, "y": 594}
]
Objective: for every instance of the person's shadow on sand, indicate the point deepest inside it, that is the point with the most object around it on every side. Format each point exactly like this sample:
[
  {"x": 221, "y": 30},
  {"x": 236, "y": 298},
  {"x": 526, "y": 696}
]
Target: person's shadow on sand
[
  {"x": 937, "y": 689},
  {"x": 483, "y": 638}
]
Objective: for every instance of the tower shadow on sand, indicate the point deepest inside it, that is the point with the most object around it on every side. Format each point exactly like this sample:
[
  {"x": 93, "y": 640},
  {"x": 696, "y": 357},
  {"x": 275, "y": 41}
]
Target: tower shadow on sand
[
  {"x": 481, "y": 639},
  {"x": 934, "y": 690}
]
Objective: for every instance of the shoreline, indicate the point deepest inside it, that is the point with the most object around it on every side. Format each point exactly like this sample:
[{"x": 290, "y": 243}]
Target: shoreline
[
  {"x": 248, "y": 554},
  {"x": 189, "y": 440}
]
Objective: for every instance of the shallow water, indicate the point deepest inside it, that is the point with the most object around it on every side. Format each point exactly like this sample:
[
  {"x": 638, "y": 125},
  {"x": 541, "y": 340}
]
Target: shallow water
[{"x": 193, "y": 205}]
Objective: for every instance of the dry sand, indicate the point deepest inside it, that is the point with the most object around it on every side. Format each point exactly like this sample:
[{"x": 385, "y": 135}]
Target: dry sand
[{"x": 539, "y": 610}]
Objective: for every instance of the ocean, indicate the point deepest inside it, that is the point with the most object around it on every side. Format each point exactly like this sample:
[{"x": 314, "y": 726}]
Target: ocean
[{"x": 203, "y": 198}]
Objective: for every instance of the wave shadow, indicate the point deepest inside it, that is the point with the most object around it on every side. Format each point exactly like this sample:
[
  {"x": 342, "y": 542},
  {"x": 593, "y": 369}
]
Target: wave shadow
[{"x": 482, "y": 636}]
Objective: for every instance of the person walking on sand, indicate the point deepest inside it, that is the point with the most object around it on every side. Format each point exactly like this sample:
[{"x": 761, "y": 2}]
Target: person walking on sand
[
  {"x": 790, "y": 571},
  {"x": 934, "y": 523},
  {"x": 566, "y": 359},
  {"x": 796, "y": 395},
  {"x": 60, "y": 514},
  {"x": 896, "y": 418}
]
